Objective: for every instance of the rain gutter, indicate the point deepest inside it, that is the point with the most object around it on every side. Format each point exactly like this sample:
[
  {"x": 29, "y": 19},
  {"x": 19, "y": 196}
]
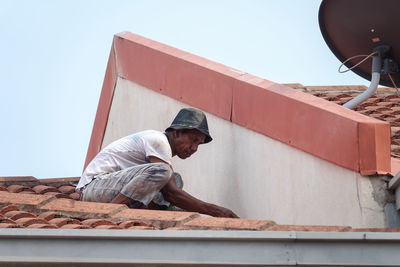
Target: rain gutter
[
  {"x": 394, "y": 184},
  {"x": 68, "y": 247}
]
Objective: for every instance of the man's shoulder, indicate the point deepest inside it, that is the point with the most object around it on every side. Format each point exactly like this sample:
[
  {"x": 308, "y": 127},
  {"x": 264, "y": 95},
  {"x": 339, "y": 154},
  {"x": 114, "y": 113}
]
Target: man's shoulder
[
  {"x": 142, "y": 134},
  {"x": 147, "y": 136},
  {"x": 151, "y": 134}
]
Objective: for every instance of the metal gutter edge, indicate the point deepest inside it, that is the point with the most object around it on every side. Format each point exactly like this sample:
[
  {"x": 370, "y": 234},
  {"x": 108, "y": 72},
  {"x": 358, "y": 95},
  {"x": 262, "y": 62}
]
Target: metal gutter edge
[
  {"x": 58, "y": 247},
  {"x": 394, "y": 184}
]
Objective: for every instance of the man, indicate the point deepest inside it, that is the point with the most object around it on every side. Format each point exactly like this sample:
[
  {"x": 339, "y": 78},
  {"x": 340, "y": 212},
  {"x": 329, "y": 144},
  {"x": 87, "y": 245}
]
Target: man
[{"x": 136, "y": 170}]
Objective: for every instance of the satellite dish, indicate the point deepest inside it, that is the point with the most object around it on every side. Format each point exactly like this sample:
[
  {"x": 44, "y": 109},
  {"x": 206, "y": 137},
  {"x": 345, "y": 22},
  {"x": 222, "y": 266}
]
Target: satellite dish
[{"x": 361, "y": 27}]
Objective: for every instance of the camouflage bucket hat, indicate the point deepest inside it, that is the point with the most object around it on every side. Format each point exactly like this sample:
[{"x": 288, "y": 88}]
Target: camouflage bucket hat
[{"x": 191, "y": 118}]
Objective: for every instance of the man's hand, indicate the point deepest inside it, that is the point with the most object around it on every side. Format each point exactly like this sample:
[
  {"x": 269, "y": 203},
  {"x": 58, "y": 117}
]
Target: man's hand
[
  {"x": 185, "y": 201},
  {"x": 218, "y": 211}
]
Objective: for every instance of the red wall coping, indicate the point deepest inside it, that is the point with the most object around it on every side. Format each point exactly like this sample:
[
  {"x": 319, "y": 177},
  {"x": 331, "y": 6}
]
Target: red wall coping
[{"x": 314, "y": 125}]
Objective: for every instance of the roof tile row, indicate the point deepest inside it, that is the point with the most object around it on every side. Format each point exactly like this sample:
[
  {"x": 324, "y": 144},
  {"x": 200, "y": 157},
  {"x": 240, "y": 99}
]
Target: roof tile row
[{"x": 38, "y": 209}]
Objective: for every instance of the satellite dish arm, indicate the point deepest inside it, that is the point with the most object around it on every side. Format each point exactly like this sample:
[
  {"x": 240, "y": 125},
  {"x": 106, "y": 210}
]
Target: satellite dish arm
[{"x": 375, "y": 77}]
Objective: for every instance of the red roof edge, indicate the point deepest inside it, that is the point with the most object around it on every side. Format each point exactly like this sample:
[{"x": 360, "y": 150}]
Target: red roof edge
[
  {"x": 316, "y": 126},
  {"x": 395, "y": 166},
  {"x": 374, "y": 158},
  {"x": 103, "y": 108}
]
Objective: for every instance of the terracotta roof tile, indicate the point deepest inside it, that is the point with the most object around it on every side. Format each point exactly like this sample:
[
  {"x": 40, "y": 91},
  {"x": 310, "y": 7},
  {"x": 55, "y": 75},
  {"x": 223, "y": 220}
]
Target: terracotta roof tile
[
  {"x": 205, "y": 223},
  {"x": 97, "y": 222},
  {"x": 160, "y": 219},
  {"x": 6, "y": 220},
  {"x": 127, "y": 224},
  {"x": 15, "y": 188},
  {"x": 178, "y": 228},
  {"x": 8, "y": 208},
  {"x": 36, "y": 210},
  {"x": 26, "y": 221},
  {"x": 17, "y": 214},
  {"x": 49, "y": 215},
  {"x": 105, "y": 226},
  {"x": 16, "y": 179},
  {"x": 27, "y": 201},
  {"x": 57, "y": 195},
  {"x": 337, "y": 88},
  {"x": 67, "y": 189},
  {"x": 42, "y": 189},
  {"x": 74, "y": 226},
  {"x": 141, "y": 228},
  {"x": 63, "y": 221},
  {"x": 59, "y": 181},
  {"x": 8, "y": 225},
  {"x": 75, "y": 196},
  {"x": 84, "y": 210},
  {"x": 41, "y": 225}
]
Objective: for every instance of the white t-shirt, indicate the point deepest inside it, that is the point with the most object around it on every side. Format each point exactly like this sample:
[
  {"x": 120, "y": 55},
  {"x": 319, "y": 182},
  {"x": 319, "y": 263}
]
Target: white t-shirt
[{"x": 127, "y": 152}]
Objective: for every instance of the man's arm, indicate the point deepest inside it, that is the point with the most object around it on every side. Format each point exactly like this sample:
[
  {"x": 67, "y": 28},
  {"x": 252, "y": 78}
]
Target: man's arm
[{"x": 183, "y": 200}]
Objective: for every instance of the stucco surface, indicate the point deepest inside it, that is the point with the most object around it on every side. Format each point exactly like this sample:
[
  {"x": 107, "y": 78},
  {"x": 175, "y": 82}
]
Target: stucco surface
[{"x": 254, "y": 175}]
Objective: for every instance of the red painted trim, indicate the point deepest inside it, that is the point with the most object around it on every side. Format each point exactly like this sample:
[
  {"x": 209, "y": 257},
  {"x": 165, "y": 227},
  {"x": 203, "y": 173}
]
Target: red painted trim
[
  {"x": 188, "y": 78},
  {"x": 103, "y": 109},
  {"x": 279, "y": 112},
  {"x": 395, "y": 165},
  {"x": 309, "y": 123},
  {"x": 374, "y": 143}
]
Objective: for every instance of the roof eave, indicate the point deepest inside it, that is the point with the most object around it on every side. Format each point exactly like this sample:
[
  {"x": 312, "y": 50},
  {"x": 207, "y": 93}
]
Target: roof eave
[{"x": 118, "y": 247}]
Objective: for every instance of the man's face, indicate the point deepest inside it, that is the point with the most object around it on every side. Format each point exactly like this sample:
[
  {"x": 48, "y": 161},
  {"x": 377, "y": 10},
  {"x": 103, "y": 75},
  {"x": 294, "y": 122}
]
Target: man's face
[{"x": 187, "y": 141}]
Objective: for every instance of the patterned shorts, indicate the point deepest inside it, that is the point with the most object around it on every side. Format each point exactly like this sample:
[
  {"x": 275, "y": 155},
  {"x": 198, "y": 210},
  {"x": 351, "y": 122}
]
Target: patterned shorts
[{"x": 141, "y": 183}]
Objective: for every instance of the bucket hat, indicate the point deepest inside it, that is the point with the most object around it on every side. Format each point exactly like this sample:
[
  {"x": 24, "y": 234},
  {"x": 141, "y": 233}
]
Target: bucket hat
[{"x": 191, "y": 118}]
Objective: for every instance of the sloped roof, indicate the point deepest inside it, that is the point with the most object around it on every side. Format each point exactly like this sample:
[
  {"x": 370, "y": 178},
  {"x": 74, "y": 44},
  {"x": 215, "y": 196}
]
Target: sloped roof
[{"x": 26, "y": 202}]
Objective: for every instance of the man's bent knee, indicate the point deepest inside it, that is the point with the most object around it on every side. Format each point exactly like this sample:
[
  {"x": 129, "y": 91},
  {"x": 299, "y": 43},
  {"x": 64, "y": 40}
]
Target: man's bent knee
[{"x": 162, "y": 170}]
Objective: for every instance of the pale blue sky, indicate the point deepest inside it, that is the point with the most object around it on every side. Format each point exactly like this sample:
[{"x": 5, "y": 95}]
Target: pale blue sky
[{"x": 54, "y": 55}]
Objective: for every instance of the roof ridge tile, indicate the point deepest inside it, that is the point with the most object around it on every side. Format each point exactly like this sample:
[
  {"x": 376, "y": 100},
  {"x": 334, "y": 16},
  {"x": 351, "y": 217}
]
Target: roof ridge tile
[
  {"x": 57, "y": 195},
  {"x": 158, "y": 218},
  {"x": 213, "y": 223},
  {"x": 81, "y": 209}
]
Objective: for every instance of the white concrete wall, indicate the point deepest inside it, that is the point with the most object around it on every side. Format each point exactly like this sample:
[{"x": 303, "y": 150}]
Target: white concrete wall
[{"x": 255, "y": 176}]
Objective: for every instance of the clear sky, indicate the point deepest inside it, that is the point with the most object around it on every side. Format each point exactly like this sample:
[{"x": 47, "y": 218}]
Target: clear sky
[{"x": 54, "y": 55}]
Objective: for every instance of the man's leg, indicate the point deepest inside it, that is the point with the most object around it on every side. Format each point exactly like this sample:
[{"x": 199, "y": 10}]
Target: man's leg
[
  {"x": 136, "y": 184},
  {"x": 121, "y": 199},
  {"x": 158, "y": 202}
]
